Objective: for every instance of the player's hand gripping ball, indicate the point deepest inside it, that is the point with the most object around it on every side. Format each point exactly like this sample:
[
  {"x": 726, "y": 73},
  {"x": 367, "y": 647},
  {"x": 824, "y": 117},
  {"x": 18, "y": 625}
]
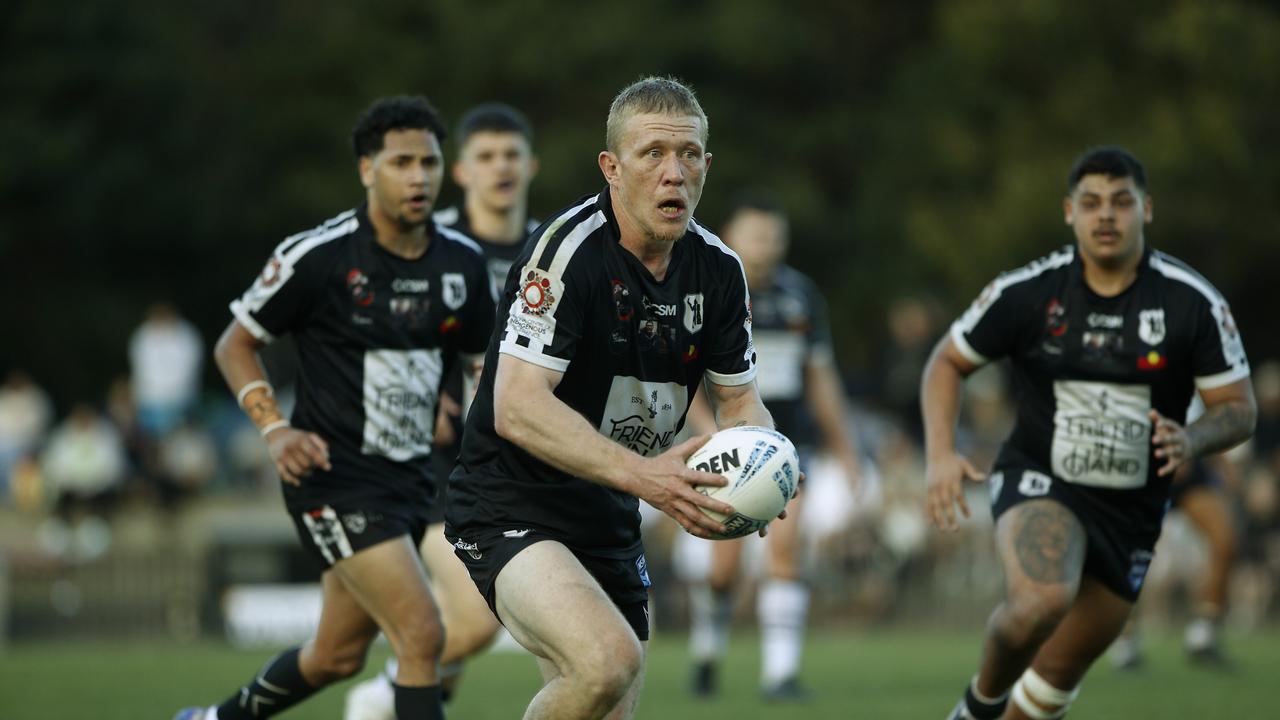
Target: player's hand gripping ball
[{"x": 763, "y": 473}]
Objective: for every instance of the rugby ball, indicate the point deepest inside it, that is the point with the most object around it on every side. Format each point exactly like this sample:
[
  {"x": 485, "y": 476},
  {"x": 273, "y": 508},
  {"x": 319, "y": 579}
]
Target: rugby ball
[{"x": 762, "y": 469}]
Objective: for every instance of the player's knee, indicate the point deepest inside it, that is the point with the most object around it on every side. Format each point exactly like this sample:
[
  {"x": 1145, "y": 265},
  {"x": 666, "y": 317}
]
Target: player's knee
[
  {"x": 421, "y": 638},
  {"x": 1034, "y": 615},
  {"x": 337, "y": 664},
  {"x": 468, "y": 638},
  {"x": 1039, "y": 699},
  {"x": 611, "y": 670}
]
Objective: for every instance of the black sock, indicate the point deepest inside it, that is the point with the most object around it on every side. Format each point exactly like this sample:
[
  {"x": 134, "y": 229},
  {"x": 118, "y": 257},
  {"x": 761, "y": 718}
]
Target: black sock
[
  {"x": 418, "y": 703},
  {"x": 984, "y": 710},
  {"x": 277, "y": 687}
]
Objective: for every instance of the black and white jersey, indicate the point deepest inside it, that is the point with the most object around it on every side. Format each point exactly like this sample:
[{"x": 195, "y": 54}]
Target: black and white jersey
[
  {"x": 632, "y": 350},
  {"x": 791, "y": 332},
  {"x": 1087, "y": 369},
  {"x": 375, "y": 333},
  {"x": 498, "y": 256}
]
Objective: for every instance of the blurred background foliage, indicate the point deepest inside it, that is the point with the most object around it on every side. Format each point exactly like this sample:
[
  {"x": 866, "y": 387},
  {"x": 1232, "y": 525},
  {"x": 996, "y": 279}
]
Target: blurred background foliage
[{"x": 160, "y": 150}]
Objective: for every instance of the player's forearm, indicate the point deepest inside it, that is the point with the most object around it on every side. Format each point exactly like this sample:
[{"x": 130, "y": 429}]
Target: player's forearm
[
  {"x": 742, "y": 408},
  {"x": 940, "y": 404},
  {"x": 236, "y": 354},
  {"x": 1222, "y": 426},
  {"x": 545, "y": 427}
]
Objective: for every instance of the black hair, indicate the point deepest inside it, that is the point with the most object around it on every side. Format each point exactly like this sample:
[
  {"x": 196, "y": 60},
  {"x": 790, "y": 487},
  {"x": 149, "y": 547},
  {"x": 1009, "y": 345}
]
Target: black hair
[
  {"x": 402, "y": 112},
  {"x": 1110, "y": 160},
  {"x": 758, "y": 200},
  {"x": 493, "y": 117}
]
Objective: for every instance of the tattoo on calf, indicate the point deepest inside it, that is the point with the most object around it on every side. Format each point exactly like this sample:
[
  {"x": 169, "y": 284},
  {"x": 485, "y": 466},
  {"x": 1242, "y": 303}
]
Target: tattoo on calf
[{"x": 1050, "y": 543}]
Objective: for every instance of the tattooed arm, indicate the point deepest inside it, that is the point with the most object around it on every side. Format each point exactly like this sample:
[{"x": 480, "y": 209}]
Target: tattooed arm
[
  {"x": 737, "y": 405},
  {"x": 1228, "y": 420}
]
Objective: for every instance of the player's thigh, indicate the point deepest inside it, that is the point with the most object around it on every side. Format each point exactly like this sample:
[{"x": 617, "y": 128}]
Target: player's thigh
[
  {"x": 346, "y": 628},
  {"x": 389, "y": 581},
  {"x": 1206, "y": 508},
  {"x": 459, "y": 600},
  {"x": 558, "y": 611},
  {"x": 784, "y": 543},
  {"x": 1041, "y": 544},
  {"x": 1095, "y": 620}
]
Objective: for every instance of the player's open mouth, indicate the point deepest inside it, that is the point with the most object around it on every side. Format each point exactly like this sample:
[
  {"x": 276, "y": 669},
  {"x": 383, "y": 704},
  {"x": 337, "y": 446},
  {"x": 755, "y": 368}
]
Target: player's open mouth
[
  {"x": 506, "y": 185},
  {"x": 418, "y": 200},
  {"x": 671, "y": 209}
]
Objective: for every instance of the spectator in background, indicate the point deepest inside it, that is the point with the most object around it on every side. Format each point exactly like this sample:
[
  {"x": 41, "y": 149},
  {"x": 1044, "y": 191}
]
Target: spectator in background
[
  {"x": 165, "y": 357},
  {"x": 912, "y": 324},
  {"x": 83, "y": 467},
  {"x": 25, "y": 415}
]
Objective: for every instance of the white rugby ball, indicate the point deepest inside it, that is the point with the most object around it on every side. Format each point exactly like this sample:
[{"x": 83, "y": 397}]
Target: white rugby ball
[{"x": 762, "y": 469}]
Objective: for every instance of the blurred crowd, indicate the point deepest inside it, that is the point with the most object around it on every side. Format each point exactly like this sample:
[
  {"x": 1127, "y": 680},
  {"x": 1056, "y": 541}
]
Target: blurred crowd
[{"x": 159, "y": 441}]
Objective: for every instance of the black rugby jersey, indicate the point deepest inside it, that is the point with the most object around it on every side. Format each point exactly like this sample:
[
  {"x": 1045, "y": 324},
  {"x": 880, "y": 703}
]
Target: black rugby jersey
[
  {"x": 375, "y": 334},
  {"x": 498, "y": 256},
  {"x": 790, "y": 329},
  {"x": 1087, "y": 369},
  {"x": 633, "y": 350}
]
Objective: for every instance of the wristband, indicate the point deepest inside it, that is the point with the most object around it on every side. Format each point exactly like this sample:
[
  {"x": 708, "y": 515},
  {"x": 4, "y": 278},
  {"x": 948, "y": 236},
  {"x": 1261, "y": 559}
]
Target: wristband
[
  {"x": 274, "y": 426},
  {"x": 250, "y": 387}
]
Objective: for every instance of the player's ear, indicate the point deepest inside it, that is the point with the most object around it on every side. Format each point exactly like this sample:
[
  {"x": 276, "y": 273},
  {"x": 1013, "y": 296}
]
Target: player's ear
[
  {"x": 707, "y": 159},
  {"x": 609, "y": 166},
  {"x": 458, "y": 175},
  {"x": 1068, "y": 210},
  {"x": 1148, "y": 209},
  {"x": 533, "y": 166},
  {"x": 366, "y": 171}
]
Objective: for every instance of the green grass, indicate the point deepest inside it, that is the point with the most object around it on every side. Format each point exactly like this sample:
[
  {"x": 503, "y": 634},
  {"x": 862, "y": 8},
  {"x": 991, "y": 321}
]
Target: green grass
[{"x": 880, "y": 674}]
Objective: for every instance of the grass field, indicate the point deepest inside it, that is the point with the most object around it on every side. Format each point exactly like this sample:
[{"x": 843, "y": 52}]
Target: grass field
[{"x": 882, "y": 675}]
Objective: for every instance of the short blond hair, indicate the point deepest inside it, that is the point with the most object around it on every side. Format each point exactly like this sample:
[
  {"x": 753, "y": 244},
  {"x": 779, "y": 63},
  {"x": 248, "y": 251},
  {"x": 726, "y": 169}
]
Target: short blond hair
[{"x": 659, "y": 95}]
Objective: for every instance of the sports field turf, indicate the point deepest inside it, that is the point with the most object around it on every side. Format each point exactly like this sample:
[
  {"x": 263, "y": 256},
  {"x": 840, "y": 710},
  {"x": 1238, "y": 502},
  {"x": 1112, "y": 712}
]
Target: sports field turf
[{"x": 883, "y": 675}]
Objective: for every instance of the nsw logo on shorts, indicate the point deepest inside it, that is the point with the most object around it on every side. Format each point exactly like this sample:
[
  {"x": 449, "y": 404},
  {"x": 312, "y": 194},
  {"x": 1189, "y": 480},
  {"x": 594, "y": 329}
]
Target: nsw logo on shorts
[
  {"x": 642, "y": 567},
  {"x": 1139, "y": 563}
]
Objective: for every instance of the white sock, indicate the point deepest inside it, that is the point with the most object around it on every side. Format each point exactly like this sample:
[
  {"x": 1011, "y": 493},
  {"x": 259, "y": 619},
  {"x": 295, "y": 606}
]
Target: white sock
[
  {"x": 781, "y": 608},
  {"x": 709, "y": 615}
]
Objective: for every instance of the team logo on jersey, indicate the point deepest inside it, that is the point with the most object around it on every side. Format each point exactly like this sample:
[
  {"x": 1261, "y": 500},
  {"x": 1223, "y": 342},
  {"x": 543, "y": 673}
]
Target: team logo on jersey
[
  {"x": 271, "y": 272},
  {"x": 1151, "y": 326},
  {"x": 358, "y": 286},
  {"x": 537, "y": 292},
  {"x": 693, "y": 312},
  {"x": 453, "y": 287},
  {"x": 622, "y": 301},
  {"x": 1055, "y": 318}
]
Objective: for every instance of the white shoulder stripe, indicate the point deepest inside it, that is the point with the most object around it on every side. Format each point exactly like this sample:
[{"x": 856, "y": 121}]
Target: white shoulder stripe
[
  {"x": 1174, "y": 271},
  {"x": 555, "y": 225},
  {"x": 992, "y": 292},
  {"x": 454, "y": 235},
  {"x": 1232, "y": 346},
  {"x": 285, "y": 259},
  {"x": 319, "y": 229},
  {"x": 447, "y": 216}
]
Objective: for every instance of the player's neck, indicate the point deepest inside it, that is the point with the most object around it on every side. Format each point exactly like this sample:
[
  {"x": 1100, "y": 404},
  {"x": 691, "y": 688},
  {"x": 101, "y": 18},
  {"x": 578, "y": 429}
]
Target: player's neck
[
  {"x": 409, "y": 244},
  {"x": 1111, "y": 279},
  {"x": 653, "y": 252},
  {"x": 501, "y": 227}
]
